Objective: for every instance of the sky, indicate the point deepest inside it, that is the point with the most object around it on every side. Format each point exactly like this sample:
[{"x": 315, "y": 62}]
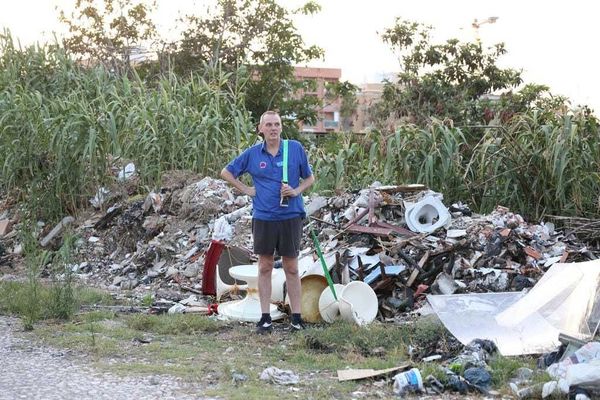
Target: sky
[{"x": 551, "y": 41}]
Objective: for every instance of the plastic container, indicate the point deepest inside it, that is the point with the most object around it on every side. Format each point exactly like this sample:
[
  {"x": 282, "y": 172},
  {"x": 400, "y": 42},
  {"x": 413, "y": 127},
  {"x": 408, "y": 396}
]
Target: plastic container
[{"x": 408, "y": 382}]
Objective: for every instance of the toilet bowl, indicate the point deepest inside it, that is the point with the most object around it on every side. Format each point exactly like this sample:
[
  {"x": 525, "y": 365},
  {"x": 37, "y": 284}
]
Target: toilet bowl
[
  {"x": 231, "y": 256},
  {"x": 311, "y": 287},
  {"x": 329, "y": 307},
  {"x": 427, "y": 216},
  {"x": 358, "y": 303}
]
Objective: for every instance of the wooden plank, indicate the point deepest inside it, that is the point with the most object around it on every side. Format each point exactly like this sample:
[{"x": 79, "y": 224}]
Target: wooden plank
[{"x": 370, "y": 230}]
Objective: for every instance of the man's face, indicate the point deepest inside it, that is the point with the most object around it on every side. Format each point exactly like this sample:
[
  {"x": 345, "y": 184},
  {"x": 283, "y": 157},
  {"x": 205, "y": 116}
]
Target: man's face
[{"x": 270, "y": 126}]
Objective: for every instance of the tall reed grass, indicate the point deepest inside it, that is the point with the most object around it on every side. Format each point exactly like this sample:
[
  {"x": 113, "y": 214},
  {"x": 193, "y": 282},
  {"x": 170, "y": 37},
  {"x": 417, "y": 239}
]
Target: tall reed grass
[
  {"x": 62, "y": 126},
  {"x": 540, "y": 163}
]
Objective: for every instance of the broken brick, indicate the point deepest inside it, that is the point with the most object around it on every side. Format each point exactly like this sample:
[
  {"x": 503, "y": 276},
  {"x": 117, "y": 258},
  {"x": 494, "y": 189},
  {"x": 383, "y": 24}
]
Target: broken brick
[{"x": 533, "y": 253}]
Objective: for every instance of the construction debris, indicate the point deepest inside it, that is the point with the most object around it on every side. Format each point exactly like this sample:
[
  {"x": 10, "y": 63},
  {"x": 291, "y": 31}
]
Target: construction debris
[{"x": 160, "y": 241}]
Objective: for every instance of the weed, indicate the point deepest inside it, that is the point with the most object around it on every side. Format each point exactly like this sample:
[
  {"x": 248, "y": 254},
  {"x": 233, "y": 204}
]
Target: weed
[
  {"x": 503, "y": 368},
  {"x": 62, "y": 126},
  {"x": 92, "y": 328},
  {"x": 16, "y": 298},
  {"x": 89, "y": 296},
  {"x": 147, "y": 300},
  {"x": 344, "y": 342},
  {"x": 31, "y": 306},
  {"x": 96, "y": 316},
  {"x": 434, "y": 370},
  {"x": 62, "y": 300}
]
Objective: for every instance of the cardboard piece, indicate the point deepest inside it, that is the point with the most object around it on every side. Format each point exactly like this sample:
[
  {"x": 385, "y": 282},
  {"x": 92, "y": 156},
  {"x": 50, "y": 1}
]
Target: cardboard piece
[{"x": 355, "y": 374}]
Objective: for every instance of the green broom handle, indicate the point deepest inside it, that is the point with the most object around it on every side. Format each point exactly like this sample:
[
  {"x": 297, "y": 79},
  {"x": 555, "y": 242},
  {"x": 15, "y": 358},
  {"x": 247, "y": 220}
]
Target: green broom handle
[{"x": 323, "y": 264}]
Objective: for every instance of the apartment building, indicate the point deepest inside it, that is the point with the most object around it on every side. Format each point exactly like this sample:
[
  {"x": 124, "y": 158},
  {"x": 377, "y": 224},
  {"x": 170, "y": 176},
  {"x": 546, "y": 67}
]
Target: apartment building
[
  {"x": 328, "y": 116},
  {"x": 369, "y": 94}
]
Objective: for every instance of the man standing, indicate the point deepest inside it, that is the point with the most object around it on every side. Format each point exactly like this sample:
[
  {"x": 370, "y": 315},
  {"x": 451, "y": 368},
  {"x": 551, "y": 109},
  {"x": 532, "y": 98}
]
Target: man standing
[{"x": 278, "y": 209}]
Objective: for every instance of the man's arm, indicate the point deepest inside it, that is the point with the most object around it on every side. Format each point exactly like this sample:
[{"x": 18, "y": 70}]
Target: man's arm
[
  {"x": 287, "y": 190},
  {"x": 236, "y": 183}
]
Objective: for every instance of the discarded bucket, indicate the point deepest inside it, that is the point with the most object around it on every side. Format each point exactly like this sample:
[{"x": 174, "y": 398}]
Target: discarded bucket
[
  {"x": 358, "y": 303},
  {"x": 408, "y": 382},
  {"x": 329, "y": 307}
]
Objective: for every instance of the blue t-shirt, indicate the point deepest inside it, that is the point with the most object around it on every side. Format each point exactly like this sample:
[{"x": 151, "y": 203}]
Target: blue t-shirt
[{"x": 267, "y": 173}]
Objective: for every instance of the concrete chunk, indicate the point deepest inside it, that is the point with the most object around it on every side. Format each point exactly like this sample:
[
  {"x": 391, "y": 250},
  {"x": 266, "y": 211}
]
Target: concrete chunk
[{"x": 57, "y": 230}]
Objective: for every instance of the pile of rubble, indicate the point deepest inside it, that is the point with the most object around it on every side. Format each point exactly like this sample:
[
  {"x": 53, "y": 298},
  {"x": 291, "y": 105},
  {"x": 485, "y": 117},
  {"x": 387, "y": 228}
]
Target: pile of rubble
[{"x": 157, "y": 243}]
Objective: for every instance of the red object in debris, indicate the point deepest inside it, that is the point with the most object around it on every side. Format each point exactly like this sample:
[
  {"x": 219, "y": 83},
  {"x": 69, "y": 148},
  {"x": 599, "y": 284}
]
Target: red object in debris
[
  {"x": 210, "y": 267},
  {"x": 420, "y": 289},
  {"x": 531, "y": 252},
  {"x": 505, "y": 232},
  {"x": 213, "y": 309}
]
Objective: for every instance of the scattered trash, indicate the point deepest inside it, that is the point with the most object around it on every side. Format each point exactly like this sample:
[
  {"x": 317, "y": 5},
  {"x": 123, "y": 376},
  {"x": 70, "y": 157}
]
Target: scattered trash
[
  {"x": 5, "y": 226},
  {"x": 478, "y": 377},
  {"x": 279, "y": 376},
  {"x": 210, "y": 267},
  {"x": 408, "y": 382},
  {"x": 581, "y": 369},
  {"x": 358, "y": 303},
  {"x": 457, "y": 383},
  {"x": 237, "y": 378},
  {"x": 177, "y": 309},
  {"x": 222, "y": 231},
  {"x": 356, "y": 374},
  {"x": 126, "y": 172},
  {"x": 329, "y": 307},
  {"x": 540, "y": 390},
  {"x": 101, "y": 196},
  {"x": 312, "y": 286},
  {"x": 526, "y": 323},
  {"x": 57, "y": 230}
]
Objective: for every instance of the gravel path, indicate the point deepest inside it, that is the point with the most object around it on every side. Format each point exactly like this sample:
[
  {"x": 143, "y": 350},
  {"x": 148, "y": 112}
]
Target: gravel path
[{"x": 30, "y": 371}]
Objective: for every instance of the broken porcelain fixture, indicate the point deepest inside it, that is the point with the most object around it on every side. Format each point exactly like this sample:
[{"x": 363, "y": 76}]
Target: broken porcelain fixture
[
  {"x": 225, "y": 283},
  {"x": 358, "y": 303},
  {"x": 311, "y": 288},
  {"x": 247, "y": 309},
  {"x": 427, "y": 216},
  {"x": 329, "y": 307},
  {"x": 230, "y": 257}
]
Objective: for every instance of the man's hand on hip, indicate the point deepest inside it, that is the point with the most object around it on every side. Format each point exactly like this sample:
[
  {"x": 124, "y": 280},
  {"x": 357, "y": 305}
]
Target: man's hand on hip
[
  {"x": 250, "y": 191},
  {"x": 288, "y": 191}
]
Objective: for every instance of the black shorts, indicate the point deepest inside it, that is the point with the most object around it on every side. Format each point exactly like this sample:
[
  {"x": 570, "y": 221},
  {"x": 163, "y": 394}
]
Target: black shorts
[{"x": 281, "y": 236}]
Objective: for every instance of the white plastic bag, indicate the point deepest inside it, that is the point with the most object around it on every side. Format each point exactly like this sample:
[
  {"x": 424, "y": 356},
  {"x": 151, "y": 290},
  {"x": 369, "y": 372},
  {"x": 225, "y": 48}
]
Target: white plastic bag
[{"x": 222, "y": 230}]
